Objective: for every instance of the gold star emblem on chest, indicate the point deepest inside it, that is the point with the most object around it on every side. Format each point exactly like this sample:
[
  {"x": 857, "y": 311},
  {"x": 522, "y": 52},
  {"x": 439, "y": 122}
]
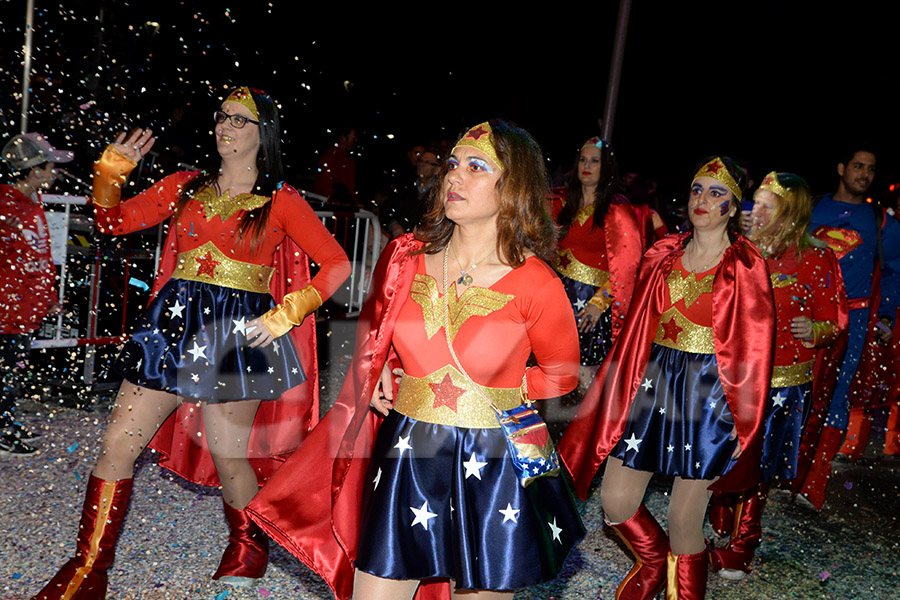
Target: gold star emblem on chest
[
  {"x": 688, "y": 288},
  {"x": 474, "y": 302},
  {"x": 224, "y": 205}
]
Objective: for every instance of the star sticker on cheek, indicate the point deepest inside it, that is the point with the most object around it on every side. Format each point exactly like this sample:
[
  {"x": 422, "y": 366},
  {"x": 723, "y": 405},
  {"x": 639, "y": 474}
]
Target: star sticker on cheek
[
  {"x": 446, "y": 393},
  {"x": 206, "y": 265},
  {"x": 672, "y": 329}
]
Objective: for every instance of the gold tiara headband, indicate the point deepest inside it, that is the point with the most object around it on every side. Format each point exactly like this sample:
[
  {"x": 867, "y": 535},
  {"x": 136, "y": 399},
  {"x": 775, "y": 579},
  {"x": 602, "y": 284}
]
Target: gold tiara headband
[
  {"x": 481, "y": 138},
  {"x": 596, "y": 142},
  {"x": 243, "y": 97},
  {"x": 772, "y": 184},
  {"x": 716, "y": 170}
]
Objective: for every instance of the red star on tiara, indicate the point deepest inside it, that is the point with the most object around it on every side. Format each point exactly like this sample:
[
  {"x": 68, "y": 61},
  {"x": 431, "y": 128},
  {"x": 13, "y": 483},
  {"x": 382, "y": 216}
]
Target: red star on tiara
[{"x": 475, "y": 134}]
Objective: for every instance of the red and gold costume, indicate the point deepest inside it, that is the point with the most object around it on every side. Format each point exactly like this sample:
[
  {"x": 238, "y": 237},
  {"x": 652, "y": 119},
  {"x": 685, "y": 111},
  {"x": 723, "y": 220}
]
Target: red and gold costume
[
  {"x": 740, "y": 296},
  {"x": 493, "y": 330},
  {"x": 203, "y": 246}
]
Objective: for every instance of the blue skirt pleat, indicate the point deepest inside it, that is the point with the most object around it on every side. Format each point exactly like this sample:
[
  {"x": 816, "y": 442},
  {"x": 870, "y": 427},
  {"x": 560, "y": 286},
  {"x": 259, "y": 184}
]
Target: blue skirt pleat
[
  {"x": 594, "y": 344},
  {"x": 787, "y": 412},
  {"x": 679, "y": 422},
  {"x": 200, "y": 351},
  {"x": 426, "y": 515}
]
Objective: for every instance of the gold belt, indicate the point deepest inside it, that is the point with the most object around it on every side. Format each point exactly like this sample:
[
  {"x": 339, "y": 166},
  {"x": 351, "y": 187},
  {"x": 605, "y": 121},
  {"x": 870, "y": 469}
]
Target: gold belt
[
  {"x": 792, "y": 374},
  {"x": 566, "y": 264},
  {"x": 678, "y": 332},
  {"x": 208, "y": 264},
  {"x": 446, "y": 397}
]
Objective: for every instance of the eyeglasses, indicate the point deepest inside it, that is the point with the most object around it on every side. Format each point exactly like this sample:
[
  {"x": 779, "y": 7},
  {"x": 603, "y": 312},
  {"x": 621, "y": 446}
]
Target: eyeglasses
[{"x": 237, "y": 121}]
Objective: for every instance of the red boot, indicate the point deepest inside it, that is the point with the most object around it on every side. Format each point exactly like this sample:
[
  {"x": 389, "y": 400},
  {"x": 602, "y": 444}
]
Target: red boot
[
  {"x": 858, "y": 428},
  {"x": 733, "y": 561},
  {"x": 820, "y": 471},
  {"x": 721, "y": 512},
  {"x": 892, "y": 436},
  {"x": 649, "y": 544},
  {"x": 84, "y": 576},
  {"x": 687, "y": 576},
  {"x": 247, "y": 555}
]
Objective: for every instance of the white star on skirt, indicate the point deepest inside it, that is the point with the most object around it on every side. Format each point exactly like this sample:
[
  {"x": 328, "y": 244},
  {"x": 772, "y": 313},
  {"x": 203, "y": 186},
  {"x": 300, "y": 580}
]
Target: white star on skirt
[
  {"x": 509, "y": 513},
  {"x": 198, "y": 351},
  {"x": 473, "y": 467},
  {"x": 648, "y": 383},
  {"x": 632, "y": 443},
  {"x": 778, "y": 400},
  {"x": 423, "y": 515},
  {"x": 555, "y": 530},
  {"x": 403, "y": 444},
  {"x": 176, "y": 310}
]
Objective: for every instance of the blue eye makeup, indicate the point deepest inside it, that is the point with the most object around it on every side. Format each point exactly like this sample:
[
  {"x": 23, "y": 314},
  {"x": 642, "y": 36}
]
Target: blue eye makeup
[
  {"x": 452, "y": 163},
  {"x": 477, "y": 164}
]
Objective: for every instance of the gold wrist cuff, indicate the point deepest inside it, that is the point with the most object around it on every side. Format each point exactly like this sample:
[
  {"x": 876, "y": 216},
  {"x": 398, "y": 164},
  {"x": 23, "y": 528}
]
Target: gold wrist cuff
[
  {"x": 602, "y": 299},
  {"x": 824, "y": 333},
  {"x": 293, "y": 309},
  {"x": 110, "y": 173}
]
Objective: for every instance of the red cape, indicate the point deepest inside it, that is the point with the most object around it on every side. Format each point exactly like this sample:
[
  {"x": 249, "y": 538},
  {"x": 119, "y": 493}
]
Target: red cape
[
  {"x": 743, "y": 331},
  {"x": 311, "y": 506},
  {"x": 280, "y": 425}
]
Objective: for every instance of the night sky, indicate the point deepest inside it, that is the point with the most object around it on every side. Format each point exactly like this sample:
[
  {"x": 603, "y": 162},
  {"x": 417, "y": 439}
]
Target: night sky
[{"x": 783, "y": 85}]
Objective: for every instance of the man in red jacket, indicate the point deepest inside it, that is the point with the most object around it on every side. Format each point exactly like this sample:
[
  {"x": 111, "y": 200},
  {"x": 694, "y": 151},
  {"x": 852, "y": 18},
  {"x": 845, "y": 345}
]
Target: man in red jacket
[{"x": 27, "y": 287}]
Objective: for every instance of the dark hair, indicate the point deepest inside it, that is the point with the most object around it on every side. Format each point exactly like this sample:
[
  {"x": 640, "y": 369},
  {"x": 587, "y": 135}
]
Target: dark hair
[
  {"x": 607, "y": 188},
  {"x": 270, "y": 171},
  {"x": 524, "y": 221},
  {"x": 740, "y": 177},
  {"x": 850, "y": 150}
]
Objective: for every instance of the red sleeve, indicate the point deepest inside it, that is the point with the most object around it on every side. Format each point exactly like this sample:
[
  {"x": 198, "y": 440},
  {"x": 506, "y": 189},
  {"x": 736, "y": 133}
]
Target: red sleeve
[
  {"x": 828, "y": 297},
  {"x": 151, "y": 207},
  {"x": 299, "y": 222},
  {"x": 554, "y": 341}
]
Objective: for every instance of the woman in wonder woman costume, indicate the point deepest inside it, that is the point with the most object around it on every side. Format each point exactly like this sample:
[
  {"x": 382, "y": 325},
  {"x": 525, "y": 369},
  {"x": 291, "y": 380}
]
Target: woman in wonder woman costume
[
  {"x": 811, "y": 310},
  {"x": 213, "y": 336},
  {"x": 683, "y": 390},
  {"x": 599, "y": 251},
  {"x": 419, "y": 483}
]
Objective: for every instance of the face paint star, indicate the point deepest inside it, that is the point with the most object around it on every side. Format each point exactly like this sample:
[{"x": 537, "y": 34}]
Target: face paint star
[
  {"x": 240, "y": 325},
  {"x": 197, "y": 352},
  {"x": 403, "y": 444},
  {"x": 648, "y": 383},
  {"x": 206, "y": 265},
  {"x": 377, "y": 479},
  {"x": 446, "y": 393},
  {"x": 509, "y": 513},
  {"x": 554, "y": 530},
  {"x": 473, "y": 467},
  {"x": 778, "y": 399},
  {"x": 176, "y": 310},
  {"x": 632, "y": 443},
  {"x": 423, "y": 515}
]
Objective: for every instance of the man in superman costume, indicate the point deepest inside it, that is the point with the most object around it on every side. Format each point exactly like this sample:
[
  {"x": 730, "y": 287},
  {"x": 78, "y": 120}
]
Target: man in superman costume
[{"x": 867, "y": 243}]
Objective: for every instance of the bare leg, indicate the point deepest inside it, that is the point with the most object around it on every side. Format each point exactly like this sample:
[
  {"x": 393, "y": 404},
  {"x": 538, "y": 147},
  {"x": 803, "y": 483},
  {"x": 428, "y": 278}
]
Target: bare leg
[
  {"x": 687, "y": 510},
  {"x": 622, "y": 490},
  {"x": 228, "y": 427},
  {"x": 585, "y": 377},
  {"x": 370, "y": 587},
  {"x": 137, "y": 415}
]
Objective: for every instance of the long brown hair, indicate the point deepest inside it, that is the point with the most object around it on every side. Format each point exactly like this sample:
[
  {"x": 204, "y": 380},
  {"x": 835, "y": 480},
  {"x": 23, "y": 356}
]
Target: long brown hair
[
  {"x": 607, "y": 189},
  {"x": 269, "y": 178},
  {"x": 523, "y": 222}
]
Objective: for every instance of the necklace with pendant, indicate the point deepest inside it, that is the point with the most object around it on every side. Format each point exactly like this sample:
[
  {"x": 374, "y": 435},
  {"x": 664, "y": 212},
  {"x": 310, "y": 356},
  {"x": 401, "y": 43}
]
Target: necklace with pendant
[{"x": 465, "y": 277}]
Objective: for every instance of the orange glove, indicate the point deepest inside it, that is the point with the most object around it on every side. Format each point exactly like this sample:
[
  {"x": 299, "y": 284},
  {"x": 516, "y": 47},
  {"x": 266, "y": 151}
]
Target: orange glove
[
  {"x": 294, "y": 308},
  {"x": 110, "y": 173}
]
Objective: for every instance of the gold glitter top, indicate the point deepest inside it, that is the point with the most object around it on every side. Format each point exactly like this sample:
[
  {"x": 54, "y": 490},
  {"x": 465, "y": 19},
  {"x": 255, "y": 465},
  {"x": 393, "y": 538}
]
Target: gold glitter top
[
  {"x": 716, "y": 169},
  {"x": 243, "y": 97},
  {"x": 772, "y": 184},
  {"x": 566, "y": 264},
  {"x": 224, "y": 205},
  {"x": 474, "y": 302},
  {"x": 688, "y": 287},
  {"x": 481, "y": 138},
  {"x": 447, "y": 397}
]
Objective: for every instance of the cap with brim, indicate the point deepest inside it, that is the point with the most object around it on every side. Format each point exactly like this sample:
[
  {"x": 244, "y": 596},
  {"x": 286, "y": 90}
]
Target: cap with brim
[{"x": 28, "y": 150}]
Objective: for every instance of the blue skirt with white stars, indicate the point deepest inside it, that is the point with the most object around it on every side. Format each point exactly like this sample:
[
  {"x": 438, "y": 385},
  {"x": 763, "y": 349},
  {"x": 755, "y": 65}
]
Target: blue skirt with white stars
[
  {"x": 679, "y": 423},
  {"x": 191, "y": 342},
  {"x": 594, "y": 344},
  {"x": 445, "y": 502},
  {"x": 787, "y": 412}
]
